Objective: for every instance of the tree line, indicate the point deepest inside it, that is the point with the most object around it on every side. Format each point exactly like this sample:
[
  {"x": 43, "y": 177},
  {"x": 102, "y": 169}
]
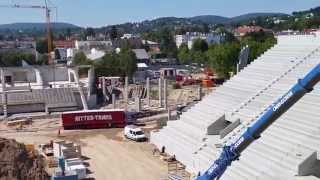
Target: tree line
[
  {"x": 120, "y": 64},
  {"x": 223, "y": 57}
]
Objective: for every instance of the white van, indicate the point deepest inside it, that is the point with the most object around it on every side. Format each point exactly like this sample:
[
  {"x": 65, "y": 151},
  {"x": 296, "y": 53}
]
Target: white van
[{"x": 134, "y": 133}]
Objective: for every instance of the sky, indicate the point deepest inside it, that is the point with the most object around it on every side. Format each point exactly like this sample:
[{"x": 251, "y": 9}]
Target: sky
[{"x": 96, "y": 13}]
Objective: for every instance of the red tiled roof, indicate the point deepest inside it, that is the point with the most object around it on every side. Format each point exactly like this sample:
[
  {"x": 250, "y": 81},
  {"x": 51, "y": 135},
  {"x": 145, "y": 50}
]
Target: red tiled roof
[
  {"x": 64, "y": 44},
  {"x": 248, "y": 29}
]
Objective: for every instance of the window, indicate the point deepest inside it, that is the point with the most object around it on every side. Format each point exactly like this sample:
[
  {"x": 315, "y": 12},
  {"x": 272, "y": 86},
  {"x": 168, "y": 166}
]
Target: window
[{"x": 139, "y": 133}]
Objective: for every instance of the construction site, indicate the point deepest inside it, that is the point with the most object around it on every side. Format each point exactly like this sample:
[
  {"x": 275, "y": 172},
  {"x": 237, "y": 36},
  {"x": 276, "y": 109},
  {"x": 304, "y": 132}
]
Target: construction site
[
  {"x": 183, "y": 143},
  {"x": 63, "y": 111},
  {"x": 63, "y": 122}
]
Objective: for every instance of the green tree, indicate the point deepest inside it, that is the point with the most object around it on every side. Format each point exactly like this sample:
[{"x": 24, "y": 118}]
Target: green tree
[
  {"x": 81, "y": 59},
  {"x": 112, "y": 64},
  {"x": 90, "y": 32},
  {"x": 167, "y": 43},
  {"x": 114, "y": 33},
  {"x": 200, "y": 45},
  {"x": 223, "y": 58},
  {"x": 206, "y": 28},
  {"x": 184, "y": 55},
  {"x": 199, "y": 57},
  {"x": 128, "y": 62},
  {"x": 108, "y": 65},
  {"x": 258, "y": 43},
  {"x": 14, "y": 58},
  {"x": 42, "y": 46}
]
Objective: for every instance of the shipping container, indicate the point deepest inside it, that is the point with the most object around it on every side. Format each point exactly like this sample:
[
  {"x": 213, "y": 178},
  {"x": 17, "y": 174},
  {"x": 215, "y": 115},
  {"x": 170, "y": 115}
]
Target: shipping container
[{"x": 94, "y": 119}]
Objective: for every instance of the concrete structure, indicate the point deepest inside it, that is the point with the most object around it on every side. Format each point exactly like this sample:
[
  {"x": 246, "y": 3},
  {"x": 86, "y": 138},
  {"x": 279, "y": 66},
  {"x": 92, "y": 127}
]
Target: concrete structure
[
  {"x": 288, "y": 150},
  {"x": 148, "y": 91},
  {"x": 137, "y": 104},
  {"x": 165, "y": 93},
  {"x": 114, "y": 101},
  {"x": 243, "y": 58},
  {"x": 45, "y": 89},
  {"x": 160, "y": 92},
  {"x": 190, "y": 37},
  {"x": 168, "y": 72},
  {"x": 126, "y": 84}
]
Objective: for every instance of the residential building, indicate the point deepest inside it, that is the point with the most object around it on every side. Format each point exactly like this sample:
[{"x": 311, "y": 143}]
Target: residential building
[
  {"x": 64, "y": 44},
  {"x": 190, "y": 37},
  {"x": 134, "y": 43},
  {"x": 243, "y": 30},
  {"x": 142, "y": 56},
  {"x": 129, "y": 36},
  {"x": 153, "y": 46},
  {"x": 88, "y": 45},
  {"x": 22, "y": 46}
]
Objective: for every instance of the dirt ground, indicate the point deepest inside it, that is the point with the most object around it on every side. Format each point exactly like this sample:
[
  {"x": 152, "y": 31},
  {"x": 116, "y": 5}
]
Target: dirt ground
[{"x": 107, "y": 153}]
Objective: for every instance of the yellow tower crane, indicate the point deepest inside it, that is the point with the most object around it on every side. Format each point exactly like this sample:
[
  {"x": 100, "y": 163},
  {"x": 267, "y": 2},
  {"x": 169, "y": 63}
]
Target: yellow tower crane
[{"x": 48, "y": 23}]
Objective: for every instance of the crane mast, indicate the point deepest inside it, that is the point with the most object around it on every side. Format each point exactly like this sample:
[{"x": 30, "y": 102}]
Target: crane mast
[
  {"x": 232, "y": 153},
  {"x": 48, "y": 23}
]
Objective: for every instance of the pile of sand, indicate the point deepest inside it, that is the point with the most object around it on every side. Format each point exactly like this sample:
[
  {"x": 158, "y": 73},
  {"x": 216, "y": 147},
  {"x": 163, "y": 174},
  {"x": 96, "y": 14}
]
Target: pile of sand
[{"x": 17, "y": 164}]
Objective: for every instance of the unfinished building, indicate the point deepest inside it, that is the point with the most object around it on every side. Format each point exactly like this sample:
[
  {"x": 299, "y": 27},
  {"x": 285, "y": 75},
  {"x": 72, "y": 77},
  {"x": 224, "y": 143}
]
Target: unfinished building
[
  {"x": 46, "y": 89},
  {"x": 289, "y": 149}
]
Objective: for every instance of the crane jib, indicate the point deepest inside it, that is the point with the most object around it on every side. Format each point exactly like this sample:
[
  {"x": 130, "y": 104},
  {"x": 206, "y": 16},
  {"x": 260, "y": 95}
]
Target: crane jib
[{"x": 232, "y": 152}]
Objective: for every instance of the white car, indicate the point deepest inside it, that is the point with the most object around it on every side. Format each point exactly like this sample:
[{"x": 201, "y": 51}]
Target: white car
[{"x": 134, "y": 133}]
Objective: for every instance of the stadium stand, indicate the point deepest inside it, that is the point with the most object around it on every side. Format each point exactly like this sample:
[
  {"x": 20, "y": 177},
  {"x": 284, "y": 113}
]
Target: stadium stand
[{"x": 288, "y": 150}]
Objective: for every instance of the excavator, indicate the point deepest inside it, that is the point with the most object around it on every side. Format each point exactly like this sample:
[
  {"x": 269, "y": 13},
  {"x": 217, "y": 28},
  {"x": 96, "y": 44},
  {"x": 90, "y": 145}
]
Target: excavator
[{"x": 232, "y": 152}]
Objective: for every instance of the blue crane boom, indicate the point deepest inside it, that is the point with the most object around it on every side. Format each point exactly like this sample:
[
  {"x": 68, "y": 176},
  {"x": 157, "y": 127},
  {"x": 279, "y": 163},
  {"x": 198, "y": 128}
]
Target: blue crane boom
[{"x": 232, "y": 152}]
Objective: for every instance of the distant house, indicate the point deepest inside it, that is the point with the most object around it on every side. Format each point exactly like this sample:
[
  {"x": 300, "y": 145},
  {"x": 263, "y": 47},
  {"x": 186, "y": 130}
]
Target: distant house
[
  {"x": 64, "y": 44},
  {"x": 18, "y": 46},
  {"x": 190, "y": 37},
  {"x": 153, "y": 46},
  {"x": 134, "y": 43},
  {"x": 61, "y": 55},
  {"x": 243, "y": 30},
  {"x": 98, "y": 45},
  {"x": 142, "y": 56}
]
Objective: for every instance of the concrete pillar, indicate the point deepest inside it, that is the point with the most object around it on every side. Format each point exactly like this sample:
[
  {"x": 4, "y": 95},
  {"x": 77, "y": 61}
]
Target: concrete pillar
[
  {"x": 4, "y": 94},
  {"x": 148, "y": 92},
  {"x": 169, "y": 114},
  {"x": 165, "y": 94},
  {"x": 138, "y": 104},
  {"x": 91, "y": 81},
  {"x": 104, "y": 89},
  {"x": 160, "y": 92},
  {"x": 126, "y": 84},
  {"x": 199, "y": 93},
  {"x": 2, "y": 79},
  {"x": 113, "y": 101}
]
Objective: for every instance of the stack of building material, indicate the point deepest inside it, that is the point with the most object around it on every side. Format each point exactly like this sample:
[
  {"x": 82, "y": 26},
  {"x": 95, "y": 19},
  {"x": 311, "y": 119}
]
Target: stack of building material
[
  {"x": 77, "y": 166},
  {"x": 289, "y": 149},
  {"x": 72, "y": 156},
  {"x": 68, "y": 150}
]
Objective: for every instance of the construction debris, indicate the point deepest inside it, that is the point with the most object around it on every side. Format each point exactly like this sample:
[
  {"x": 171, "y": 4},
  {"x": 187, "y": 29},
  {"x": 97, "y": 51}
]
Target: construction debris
[{"x": 17, "y": 163}]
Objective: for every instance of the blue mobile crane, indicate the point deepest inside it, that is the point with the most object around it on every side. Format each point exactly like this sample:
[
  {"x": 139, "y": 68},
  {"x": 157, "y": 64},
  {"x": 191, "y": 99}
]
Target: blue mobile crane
[{"x": 232, "y": 152}]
